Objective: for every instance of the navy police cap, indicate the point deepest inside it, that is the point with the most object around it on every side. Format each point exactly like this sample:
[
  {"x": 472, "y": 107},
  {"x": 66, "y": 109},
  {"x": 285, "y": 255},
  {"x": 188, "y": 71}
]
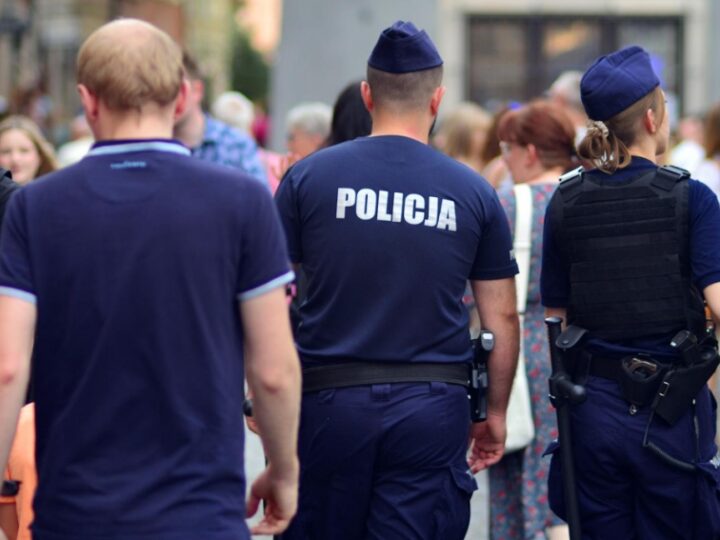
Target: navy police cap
[
  {"x": 616, "y": 81},
  {"x": 403, "y": 48}
]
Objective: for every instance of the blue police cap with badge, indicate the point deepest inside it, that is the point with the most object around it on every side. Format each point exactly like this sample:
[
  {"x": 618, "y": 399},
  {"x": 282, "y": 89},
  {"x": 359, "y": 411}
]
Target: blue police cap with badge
[
  {"x": 402, "y": 48},
  {"x": 616, "y": 81}
]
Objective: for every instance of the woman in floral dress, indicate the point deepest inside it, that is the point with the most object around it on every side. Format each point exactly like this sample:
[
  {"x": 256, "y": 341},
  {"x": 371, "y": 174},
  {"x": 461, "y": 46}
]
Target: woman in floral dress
[{"x": 537, "y": 141}]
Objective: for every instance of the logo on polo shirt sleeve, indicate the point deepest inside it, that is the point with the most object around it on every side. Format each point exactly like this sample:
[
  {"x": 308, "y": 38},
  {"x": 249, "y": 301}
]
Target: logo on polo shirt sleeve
[{"x": 413, "y": 209}]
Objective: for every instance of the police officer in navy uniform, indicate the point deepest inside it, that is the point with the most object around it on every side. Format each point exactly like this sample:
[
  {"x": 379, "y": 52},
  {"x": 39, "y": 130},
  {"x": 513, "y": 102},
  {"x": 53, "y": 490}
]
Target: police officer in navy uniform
[
  {"x": 630, "y": 252},
  {"x": 388, "y": 231}
]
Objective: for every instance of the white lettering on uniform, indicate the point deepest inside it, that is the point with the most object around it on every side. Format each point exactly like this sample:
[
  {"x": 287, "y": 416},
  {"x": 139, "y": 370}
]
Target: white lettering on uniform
[
  {"x": 346, "y": 199},
  {"x": 447, "y": 220},
  {"x": 432, "y": 218},
  {"x": 411, "y": 216},
  {"x": 397, "y": 207},
  {"x": 366, "y": 205},
  {"x": 413, "y": 209},
  {"x": 382, "y": 213}
]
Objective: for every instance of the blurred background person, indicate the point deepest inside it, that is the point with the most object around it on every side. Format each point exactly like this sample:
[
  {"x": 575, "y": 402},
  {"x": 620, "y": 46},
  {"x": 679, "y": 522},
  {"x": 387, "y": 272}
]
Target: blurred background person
[
  {"x": 538, "y": 146},
  {"x": 350, "y": 118},
  {"x": 708, "y": 170},
  {"x": 210, "y": 139},
  {"x": 565, "y": 93},
  {"x": 495, "y": 170},
  {"x": 81, "y": 140},
  {"x": 463, "y": 133},
  {"x": 308, "y": 126},
  {"x": 689, "y": 151},
  {"x": 16, "y": 513},
  {"x": 236, "y": 110},
  {"x": 24, "y": 150}
]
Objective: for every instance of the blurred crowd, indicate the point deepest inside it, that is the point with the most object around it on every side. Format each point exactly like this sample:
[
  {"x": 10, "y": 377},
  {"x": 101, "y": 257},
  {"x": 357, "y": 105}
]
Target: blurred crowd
[{"x": 530, "y": 143}]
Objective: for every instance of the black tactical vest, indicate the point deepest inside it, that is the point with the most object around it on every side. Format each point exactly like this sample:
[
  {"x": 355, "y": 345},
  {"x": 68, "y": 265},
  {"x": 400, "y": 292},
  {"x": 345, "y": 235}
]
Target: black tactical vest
[{"x": 627, "y": 248}]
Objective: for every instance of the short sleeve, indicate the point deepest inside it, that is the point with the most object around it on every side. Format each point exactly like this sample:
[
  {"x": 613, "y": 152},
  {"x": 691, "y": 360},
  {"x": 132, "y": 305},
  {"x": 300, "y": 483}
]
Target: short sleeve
[
  {"x": 15, "y": 264},
  {"x": 264, "y": 262},
  {"x": 287, "y": 204},
  {"x": 494, "y": 258},
  {"x": 704, "y": 217}
]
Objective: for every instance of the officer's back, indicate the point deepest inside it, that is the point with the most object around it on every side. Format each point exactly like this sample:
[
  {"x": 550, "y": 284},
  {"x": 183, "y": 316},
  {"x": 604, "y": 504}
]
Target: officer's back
[{"x": 388, "y": 231}]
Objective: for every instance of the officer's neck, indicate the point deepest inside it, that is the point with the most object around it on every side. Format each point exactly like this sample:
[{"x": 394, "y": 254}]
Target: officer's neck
[
  {"x": 645, "y": 148},
  {"x": 414, "y": 126}
]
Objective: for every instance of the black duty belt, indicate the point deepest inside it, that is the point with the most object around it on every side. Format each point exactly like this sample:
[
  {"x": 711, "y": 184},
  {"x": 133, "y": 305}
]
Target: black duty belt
[
  {"x": 354, "y": 373},
  {"x": 639, "y": 376},
  {"x": 607, "y": 368}
]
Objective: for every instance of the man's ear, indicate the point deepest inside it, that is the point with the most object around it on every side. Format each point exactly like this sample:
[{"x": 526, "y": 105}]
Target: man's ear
[
  {"x": 90, "y": 103},
  {"x": 367, "y": 97},
  {"x": 181, "y": 102},
  {"x": 436, "y": 100}
]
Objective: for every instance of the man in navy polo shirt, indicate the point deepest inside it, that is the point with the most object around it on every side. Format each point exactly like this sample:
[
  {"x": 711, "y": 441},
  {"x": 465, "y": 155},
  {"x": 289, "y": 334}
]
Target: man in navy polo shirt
[
  {"x": 388, "y": 231},
  {"x": 142, "y": 282},
  {"x": 630, "y": 251}
]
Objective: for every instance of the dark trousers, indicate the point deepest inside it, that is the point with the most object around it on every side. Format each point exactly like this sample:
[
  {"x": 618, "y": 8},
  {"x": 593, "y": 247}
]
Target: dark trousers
[
  {"x": 627, "y": 492},
  {"x": 384, "y": 462}
]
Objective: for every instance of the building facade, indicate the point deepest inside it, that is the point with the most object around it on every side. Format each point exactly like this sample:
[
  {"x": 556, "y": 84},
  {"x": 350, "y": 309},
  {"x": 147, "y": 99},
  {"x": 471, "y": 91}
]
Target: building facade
[
  {"x": 499, "y": 50},
  {"x": 39, "y": 41}
]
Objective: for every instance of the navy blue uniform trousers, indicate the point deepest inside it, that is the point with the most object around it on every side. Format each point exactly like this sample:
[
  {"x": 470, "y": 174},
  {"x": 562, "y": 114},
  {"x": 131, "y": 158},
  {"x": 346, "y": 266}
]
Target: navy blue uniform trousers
[
  {"x": 385, "y": 461},
  {"x": 627, "y": 492}
]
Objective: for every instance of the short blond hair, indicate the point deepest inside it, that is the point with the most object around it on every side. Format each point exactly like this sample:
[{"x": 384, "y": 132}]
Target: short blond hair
[{"x": 129, "y": 63}]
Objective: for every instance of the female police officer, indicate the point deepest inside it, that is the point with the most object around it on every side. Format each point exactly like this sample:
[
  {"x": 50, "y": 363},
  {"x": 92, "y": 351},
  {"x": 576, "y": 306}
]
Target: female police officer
[{"x": 630, "y": 249}]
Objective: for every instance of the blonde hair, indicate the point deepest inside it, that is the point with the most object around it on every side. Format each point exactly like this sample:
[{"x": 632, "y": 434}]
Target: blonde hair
[
  {"x": 606, "y": 143},
  {"x": 129, "y": 63},
  {"x": 48, "y": 161},
  {"x": 458, "y": 131}
]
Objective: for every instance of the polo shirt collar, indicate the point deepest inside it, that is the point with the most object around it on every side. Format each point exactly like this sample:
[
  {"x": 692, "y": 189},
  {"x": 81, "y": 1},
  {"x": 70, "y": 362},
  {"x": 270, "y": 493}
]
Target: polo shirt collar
[{"x": 123, "y": 146}]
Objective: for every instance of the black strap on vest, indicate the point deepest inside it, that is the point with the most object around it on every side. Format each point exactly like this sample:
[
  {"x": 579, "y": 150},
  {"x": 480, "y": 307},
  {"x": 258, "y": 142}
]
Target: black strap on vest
[
  {"x": 626, "y": 244},
  {"x": 353, "y": 373}
]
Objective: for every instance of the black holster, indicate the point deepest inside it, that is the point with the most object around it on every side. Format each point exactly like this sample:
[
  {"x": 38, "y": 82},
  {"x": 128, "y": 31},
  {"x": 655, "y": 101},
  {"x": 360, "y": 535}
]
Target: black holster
[
  {"x": 639, "y": 388},
  {"x": 681, "y": 385}
]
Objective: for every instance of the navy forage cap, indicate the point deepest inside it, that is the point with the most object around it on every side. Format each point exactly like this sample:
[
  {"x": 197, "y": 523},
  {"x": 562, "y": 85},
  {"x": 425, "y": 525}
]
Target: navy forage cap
[
  {"x": 616, "y": 81},
  {"x": 403, "y": 48}
]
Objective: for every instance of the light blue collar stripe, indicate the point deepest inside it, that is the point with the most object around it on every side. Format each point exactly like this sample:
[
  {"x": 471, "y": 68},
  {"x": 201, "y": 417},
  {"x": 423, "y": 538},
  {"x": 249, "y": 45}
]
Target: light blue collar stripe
[
  {"x": 267, "y": 287},
  {"x": 17, "y": 293},
  {"x": 157, "y": 146}
]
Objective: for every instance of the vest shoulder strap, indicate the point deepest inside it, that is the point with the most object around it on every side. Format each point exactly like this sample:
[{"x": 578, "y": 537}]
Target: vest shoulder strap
[
  {"x": 669, "y": 175},
  {"x": 570, "y": 183}
]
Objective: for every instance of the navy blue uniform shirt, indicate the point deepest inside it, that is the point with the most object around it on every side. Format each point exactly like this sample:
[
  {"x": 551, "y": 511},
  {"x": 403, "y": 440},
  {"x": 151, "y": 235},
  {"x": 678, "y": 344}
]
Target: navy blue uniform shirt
[
  {"x": 137, "y": 258},
  {"x": 704, "y": 230},
  {"x": 388, "y": 230}
]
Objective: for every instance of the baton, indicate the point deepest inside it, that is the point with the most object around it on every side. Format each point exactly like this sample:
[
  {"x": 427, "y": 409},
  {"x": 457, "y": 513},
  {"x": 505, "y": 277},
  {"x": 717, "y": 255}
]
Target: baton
[{"x": 563, "y": 393}]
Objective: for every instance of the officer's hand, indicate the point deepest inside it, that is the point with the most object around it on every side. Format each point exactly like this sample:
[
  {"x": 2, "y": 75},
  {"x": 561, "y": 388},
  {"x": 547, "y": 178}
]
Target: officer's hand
[
  {"x": 280, "y": 493},
  {"x": 487, "y": 443}
]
